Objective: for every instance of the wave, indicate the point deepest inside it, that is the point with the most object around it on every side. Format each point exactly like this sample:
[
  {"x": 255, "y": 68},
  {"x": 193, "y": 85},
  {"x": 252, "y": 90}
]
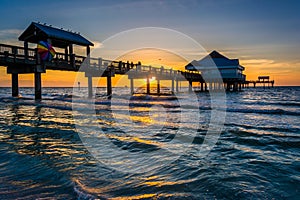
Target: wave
[
  {"x": 82, "y": 194},
  {"x": 44, "y": 103},
  {"x": 262, "y": 141},
  {"x": 266, "y": 128},
  {"x": 265, "y": 103},
  {"x": 256, "y": 111}
]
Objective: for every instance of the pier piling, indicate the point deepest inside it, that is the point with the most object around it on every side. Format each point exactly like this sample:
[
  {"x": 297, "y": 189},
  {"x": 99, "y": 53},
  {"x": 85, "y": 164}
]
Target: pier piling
[
  {"x": 158, "y": 86},
  {"x": 131, "y": 86},
  {"x": 109, "y": 86},
  {"x": 38, "y": 86},
  {"x": 210, "y": 86},
  {"x": 172, "y": 86},
  {"x": 148, "y": 86},
  {"x": 15, "y": 84},
  {"x": 190, "y": 86},
  {"x": 90, "y": 86}
]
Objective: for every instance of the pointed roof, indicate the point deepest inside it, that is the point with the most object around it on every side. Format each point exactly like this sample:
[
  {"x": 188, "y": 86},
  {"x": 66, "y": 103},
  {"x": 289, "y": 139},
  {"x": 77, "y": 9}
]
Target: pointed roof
[
  {"x": 213, "y": 59},
  {"x": 218, "y": 59},
  {"x": 215, "y": 54},
  {"x": 59, "y": 37}
]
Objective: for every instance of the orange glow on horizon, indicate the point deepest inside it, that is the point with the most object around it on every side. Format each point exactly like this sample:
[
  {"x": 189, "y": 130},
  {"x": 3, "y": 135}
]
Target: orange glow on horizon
[{"x": 284, "y": 73}]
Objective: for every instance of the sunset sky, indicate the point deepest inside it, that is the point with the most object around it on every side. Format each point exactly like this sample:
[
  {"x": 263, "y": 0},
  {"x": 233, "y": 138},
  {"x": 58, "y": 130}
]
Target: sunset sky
[{"x": 264, "y": 35}]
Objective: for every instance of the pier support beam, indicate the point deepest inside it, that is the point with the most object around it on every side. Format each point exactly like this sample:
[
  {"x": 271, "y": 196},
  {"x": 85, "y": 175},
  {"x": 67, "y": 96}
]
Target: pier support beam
[
  {"x": 66, "y": 54},
  {"x": 177, "y": 88},
  {"x": 201, "y": 87},
  {"x": 172, "y": 85},
  {"x": 90, "y": 86},
  {"x": 38, "y": 86},
  {"x": 210, "y": 87},
  {"x": 148, "y": 86},
  {"x": 158, "y": 86},
  {"x": 235, "y": 86},
  {"x": 190, "y": 86},
  {"x": 26, "y": 50},
  {"x": 227, "y": 86},
  {"x": 109, "y": 86},
  {"x": 15, "y": 85},
  {"x": 131, "y": 86}
]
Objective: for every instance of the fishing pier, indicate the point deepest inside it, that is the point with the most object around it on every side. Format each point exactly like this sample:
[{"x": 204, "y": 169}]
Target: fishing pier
[{"x": 25, "y": 60}]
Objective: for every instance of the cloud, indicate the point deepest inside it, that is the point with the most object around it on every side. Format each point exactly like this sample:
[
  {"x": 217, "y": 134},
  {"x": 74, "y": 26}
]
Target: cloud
[
  {"x": 257, "y": 61},
  {"x": 97, "y": 44},
  {"x": 10, "y": 36},
  {"x": 9, "y": 33},
  {"x": 265, "y": 66}
]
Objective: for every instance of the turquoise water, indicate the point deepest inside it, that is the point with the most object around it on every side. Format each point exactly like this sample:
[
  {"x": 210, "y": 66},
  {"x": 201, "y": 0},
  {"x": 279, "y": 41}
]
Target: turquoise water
[{"x": 256, "y": 156}]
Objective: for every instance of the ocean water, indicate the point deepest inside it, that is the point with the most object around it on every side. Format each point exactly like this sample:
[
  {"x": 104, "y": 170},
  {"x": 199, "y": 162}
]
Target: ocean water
[{"x": 46, "y": 151}]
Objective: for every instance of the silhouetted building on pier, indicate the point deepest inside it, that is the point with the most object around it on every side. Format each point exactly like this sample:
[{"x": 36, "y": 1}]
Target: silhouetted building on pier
[{"x": 230, "y": 70}]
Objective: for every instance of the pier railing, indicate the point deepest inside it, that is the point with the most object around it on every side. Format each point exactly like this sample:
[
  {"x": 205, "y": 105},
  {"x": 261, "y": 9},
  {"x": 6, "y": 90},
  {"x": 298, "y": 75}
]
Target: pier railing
[{"x": 17, "y": 52}]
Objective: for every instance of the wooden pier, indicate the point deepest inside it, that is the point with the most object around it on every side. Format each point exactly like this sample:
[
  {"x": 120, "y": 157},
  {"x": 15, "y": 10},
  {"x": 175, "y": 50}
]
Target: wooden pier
[{"x": 24, "y": 60}]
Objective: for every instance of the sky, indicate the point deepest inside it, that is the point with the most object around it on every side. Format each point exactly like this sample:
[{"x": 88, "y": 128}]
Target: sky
[{"x": 263, "y": 35}]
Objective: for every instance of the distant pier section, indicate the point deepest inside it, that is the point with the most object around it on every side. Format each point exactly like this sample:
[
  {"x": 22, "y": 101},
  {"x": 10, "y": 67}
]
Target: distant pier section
[{"x": 264, "y": 81}]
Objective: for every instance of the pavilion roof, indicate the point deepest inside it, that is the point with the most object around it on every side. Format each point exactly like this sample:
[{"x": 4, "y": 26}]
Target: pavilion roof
[{"x": 59, "y": 37}]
